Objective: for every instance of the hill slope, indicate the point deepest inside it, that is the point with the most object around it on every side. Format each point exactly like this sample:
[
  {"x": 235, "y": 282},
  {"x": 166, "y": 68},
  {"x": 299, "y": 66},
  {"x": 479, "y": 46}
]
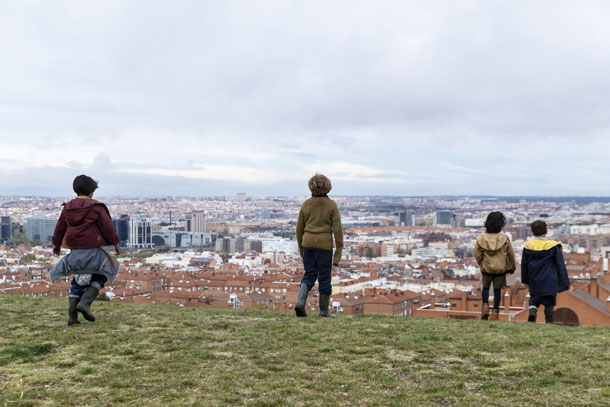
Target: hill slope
[{"x": 143, "y": 355}]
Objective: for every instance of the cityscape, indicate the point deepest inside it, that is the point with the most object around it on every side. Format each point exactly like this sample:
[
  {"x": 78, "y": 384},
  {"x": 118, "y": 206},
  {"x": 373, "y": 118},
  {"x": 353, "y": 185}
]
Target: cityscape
[{"x": 403, "y": 256}]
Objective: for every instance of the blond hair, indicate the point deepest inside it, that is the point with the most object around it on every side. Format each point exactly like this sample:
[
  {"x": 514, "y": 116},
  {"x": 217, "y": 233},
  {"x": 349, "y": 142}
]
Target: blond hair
[{"x": 319, "y": 185}]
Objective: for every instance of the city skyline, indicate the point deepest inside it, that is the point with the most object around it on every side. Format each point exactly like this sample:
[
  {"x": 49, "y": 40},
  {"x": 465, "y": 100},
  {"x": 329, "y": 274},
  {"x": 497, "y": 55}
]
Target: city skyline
[{"x": 401, "y": 99}]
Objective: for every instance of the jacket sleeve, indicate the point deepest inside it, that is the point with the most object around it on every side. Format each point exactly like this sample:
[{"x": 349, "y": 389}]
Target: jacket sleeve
[
  {"x": 60, "y": 230},
  {"x": 338, "y": 233},
  {"x": 525, "y": 278},
  {"x": 563, "y": 280},
  {"x": 511, "y": 257},
  {"x": 478, "y": 254},
  {"x": 105, "y": 226},
  {"x": 300, "y": 229}
]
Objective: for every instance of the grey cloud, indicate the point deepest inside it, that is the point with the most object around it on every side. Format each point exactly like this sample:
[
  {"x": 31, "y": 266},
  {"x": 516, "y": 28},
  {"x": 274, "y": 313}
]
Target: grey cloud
[{"x": 402, "y": 86}]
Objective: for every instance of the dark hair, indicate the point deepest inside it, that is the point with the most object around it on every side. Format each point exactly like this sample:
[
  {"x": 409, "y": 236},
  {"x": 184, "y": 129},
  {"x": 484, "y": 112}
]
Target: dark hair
[
  {"x": 84, "y": 185},
  {"x": 539, "y": 228},
  {"x": 495, "y": 222},
  {"x": 319, "y": 185}
]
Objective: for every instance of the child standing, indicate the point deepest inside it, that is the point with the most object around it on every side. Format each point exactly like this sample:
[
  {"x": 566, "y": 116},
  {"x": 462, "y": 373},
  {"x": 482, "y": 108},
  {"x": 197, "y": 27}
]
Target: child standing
[
  {"x": 318, "y": 221},
  {"x": 544, "y": 270},
  {"x": 495, "y": 255},
  {"x": 84, "y": 227}
]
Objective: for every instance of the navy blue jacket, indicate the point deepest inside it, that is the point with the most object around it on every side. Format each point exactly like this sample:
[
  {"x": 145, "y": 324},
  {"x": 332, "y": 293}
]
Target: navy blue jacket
[{"x": 543, "y": 268}]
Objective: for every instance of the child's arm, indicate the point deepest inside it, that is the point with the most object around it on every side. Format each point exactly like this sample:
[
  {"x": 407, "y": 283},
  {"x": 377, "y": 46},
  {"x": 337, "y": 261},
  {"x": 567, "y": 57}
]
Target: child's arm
[
  {"x": 300, "y": 229},
  {"x": 338, "y": 232},
  {"x": 563, "y": 280},
  {"x": 511, "y": 258},
  {"x": 525, "y": 278},
  {"x": 60, "y": 232},
  {"x": 105, "y": 226}
]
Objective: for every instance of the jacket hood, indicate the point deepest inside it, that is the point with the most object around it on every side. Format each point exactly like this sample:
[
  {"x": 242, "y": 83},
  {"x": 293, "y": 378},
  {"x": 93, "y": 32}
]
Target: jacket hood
[
  {"x": 541, "y": 245},
  {"x": 492, "y": 241},
  {"x": 77, "y": 210}
]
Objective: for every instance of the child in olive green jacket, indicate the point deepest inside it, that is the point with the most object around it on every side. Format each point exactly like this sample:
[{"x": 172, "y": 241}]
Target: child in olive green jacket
[{"x": 319, "y": 220}]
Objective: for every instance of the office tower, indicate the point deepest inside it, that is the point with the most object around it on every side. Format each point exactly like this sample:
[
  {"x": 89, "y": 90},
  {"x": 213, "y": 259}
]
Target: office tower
[
  {"x": 121, "y": 226},
  {"x": 40, "y": 229},
  {"x": 446, "y": 218},
  {"x": 140, "y": 233},
  {"x": 5, "y": 228},
  {"x": 404, "y": 218},
  {"x": 198, "y": 222}
]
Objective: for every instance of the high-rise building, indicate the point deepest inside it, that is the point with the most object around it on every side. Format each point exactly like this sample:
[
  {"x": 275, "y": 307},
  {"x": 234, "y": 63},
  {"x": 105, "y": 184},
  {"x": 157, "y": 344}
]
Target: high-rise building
[
  {"x": 404, "y": 218},
  {"x": 5, "y": 228},
  {"x": 140, "y": 233},
  {"x": 446, "y": 218},
  {"x": 196, "y": 222},
  {"x": 121, "y": 226},
  {"x": 40, "y": 229}
]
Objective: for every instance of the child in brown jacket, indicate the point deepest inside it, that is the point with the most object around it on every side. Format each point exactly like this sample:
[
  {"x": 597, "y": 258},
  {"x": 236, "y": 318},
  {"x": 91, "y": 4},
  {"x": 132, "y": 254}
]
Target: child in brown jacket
[
  {"x": 319, "y": 220},
  {"x": 496, "y": 257}
]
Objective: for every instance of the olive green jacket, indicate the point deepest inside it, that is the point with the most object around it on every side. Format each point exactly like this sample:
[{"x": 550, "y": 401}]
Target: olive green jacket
[
  {"x": 319, "y": 220},
  {"x": 494, "y": 253}
]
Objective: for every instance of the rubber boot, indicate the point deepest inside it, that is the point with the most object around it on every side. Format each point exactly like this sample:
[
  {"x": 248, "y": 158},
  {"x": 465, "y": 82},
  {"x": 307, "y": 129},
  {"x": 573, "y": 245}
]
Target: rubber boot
[
  {"x": 324, "y": 300},
  {"x": 495, "y": 315},
  {"x": 84, "y": 306},
  {"x": 299, "y": 308},
  {"x": 485, "y": 311},
  {"x": 72, "y": 313},
  {"x": 532, "y": 314},
  {"x": 549, "y": 313}
]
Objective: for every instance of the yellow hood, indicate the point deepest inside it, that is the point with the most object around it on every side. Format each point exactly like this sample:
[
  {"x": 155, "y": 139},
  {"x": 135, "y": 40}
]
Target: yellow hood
[{"x": 540, "y": 245}]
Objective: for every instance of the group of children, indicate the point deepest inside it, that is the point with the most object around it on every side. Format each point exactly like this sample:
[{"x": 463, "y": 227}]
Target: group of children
[
  {"x": 85, "y": 227},
  {"x": 543, "y": 268}
]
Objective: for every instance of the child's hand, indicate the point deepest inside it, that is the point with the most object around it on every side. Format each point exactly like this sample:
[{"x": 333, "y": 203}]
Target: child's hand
[
  {"x": 57, "y": 250},
  {"x": 117, "y": 248}
]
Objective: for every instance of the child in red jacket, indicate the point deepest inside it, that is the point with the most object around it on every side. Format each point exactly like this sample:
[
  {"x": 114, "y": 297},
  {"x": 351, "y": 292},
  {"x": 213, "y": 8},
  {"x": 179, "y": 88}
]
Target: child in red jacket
[{"x": 84, "y": 227}]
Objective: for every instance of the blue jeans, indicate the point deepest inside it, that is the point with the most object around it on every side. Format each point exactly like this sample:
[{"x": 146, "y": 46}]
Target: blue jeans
[
  {"x": 318, "y": 266},
  {"x": 97, "y": 280}
]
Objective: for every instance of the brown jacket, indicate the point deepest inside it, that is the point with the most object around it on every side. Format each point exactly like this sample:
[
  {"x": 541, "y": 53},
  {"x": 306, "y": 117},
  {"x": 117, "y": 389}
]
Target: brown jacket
[
  {"x": 319, "y": 220},
  {"x": 494, "y": 253}
]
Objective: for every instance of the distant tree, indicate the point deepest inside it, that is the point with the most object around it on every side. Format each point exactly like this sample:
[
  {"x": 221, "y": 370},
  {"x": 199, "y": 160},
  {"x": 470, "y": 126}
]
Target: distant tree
[
  {"x": 18, "y": 235},
  {"x": 369, "y": 253},
  {"x": 26, "y": 258}
]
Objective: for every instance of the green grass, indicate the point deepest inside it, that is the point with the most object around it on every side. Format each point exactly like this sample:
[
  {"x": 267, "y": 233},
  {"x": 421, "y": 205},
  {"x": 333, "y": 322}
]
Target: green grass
[{"x": 144, "y": 355}]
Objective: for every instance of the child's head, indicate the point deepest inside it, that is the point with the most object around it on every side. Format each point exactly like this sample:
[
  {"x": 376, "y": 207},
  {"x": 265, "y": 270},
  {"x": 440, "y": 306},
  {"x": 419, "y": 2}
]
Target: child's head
[
  {"x": 539, "y": 228},
  {"x": 495, "y": 222},
  {"x": 84, "y": 185},
  {"x": 319, "y": 185}
]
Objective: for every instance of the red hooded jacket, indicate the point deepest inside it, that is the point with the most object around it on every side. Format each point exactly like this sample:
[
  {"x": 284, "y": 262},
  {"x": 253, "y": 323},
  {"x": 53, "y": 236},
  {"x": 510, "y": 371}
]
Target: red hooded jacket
[{"x": 84, "y": 224}]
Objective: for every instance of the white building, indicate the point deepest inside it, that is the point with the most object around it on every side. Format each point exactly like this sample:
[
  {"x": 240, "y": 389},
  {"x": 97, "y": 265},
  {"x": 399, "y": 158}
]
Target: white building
[{"x": 140, "y": 233}]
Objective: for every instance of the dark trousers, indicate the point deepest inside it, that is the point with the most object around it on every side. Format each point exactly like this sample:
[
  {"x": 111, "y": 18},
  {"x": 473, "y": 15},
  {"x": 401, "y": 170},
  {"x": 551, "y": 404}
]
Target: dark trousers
[
  {"x": 318, "y": 266},
  {"x": 97, "y": 280},
  {"x": 550, "y": 300}
]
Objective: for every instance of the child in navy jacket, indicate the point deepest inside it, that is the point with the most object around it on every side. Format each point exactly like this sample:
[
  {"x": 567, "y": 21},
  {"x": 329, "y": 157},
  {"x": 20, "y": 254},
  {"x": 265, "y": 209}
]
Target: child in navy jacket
[{"x": 543, "y": 269}]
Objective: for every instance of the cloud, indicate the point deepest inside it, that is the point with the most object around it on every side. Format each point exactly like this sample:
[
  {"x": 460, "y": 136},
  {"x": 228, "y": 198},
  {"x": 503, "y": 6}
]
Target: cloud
[{"x": 406, "y": 97}]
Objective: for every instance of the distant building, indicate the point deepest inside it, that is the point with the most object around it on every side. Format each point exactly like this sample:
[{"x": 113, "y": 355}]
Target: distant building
[
  {"x": 140, "y": 236},
  {"x": 121, "y": 226},
  {"x": 404, "y": 218},
  {"x": 446, "y": 218},
  {"x": 5, "y": 228},
  {"x": 183, "y": 239},
  {"x": 40, "y": 229},
  {"x": 196, "y": 222}
]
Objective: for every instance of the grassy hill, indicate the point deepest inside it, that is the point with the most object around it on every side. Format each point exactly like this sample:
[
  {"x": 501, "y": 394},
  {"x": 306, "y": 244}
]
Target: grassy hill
[{"x": 143, "y": 355}]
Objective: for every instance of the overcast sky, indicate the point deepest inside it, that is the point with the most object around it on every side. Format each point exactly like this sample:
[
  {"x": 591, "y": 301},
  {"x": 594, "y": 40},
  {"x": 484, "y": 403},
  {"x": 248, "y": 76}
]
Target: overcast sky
[{"x": 386, "y": 97}]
